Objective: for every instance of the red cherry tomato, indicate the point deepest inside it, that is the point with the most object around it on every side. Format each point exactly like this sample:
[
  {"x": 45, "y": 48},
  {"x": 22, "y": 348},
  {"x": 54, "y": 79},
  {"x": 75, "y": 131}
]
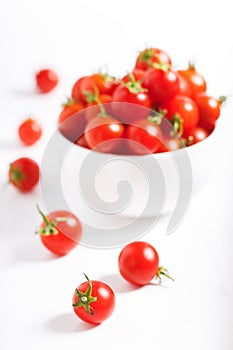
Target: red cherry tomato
[
  {"x": 29, "y": 131},
  {"x": 104, "y": 83},
  {"x": 171, "y": 144},
  {"x": 135, "y": 101},
  {"x": 138, "y": 263},
  {"x": 24, "y": 174},
  {"x": 46, "y": 80},
  {"x": 81, "y": 141},
  {"x": 161, "y": 84},
  {"x": 196, "y": 80},
  {"x": 93, "y": 301},
  {"x": 148, "y": 57},
  {"x": 187, "y": 110},
  {"x": 72, "y": 127},
  {"x": 143, "y": 137},
  {"x": 196, "y": 135},
  {"x": 103, "y": 133},
  {"x": 77, "y": 90},
  {"x": 60, "y": 231},
  {"x": 184, "y": 87},
  {"x": 209, "y": 109}
]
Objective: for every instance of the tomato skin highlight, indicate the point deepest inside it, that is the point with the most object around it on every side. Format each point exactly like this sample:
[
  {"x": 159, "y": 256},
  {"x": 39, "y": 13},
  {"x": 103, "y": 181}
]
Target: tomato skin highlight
[
  {"x": 102, "y": 308},
  {"x": 196, "y": 135},
  {"x": 161, "y": 84},
  {"x": 68, "y": 235},
  {"x": 143, "y": 137},
  {"x": 24, "y": 174},
  {"x": 138, "y": 263},
  {"x": 101, "y": 129},
  {"x": 187, "y": 110},
  {"x": 46, "y": 80},
  {"x": 29, "y": 132}
]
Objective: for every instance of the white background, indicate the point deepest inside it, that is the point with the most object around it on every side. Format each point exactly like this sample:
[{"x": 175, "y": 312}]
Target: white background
[{"x": 77, "y": 38}]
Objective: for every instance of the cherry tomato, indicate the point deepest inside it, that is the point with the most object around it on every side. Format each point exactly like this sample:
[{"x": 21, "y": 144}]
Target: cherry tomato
[
  {"x": 171, "y": 144},
  {"x": 77, "y": 90},
  {"x": 185, "y": 108},
  {"x": 161, "y": 84},
  {"x": 104, "y": 100},
  {"x": 60, "y": 231},
  {"x": 184, "y": 87},
  {"x": 81, "y": 141},
  {"x": 143, "y": 137},
  {"x": 29, "y": 131},
  {"x": 197, "y": 81},
  {"x": 148, "y": 57},
  {"x": 46, "y": 80},
  {"x": 135, "y": 101},
  {"x": 103, "y": 133},
  {"x": 209, "y": 109},
  {"x": 196, "y": 135},
  {"x": 104, "y": 83},
  {"x": 72, "y": 127},
  {"x": 93, "y": 301},
  {"x": 138, "y": 263},
  {"x": 24, "y": 174}
]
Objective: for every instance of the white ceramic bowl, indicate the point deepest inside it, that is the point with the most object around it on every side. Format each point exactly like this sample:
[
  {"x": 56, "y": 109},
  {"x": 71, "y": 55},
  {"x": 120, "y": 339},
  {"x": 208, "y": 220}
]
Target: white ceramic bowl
[{"x": 119, "y": 197}]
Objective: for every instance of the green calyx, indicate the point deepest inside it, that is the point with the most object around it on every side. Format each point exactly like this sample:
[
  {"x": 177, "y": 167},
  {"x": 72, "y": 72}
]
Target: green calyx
[
  {"x": 163, "y": 272},
  {"x": 50, "y": 226},
  {"x": 177, "y": 124},
  {"x": 92, "y": 97},
  {"x": 107, "y": 78},
  {"x": 146, "y": 55},
  {"x": 85, "y": 298},
  {"x": 16, "y": 175},
  {"x": 157, "y": 116},
  {"x": 134, "y": 86}
]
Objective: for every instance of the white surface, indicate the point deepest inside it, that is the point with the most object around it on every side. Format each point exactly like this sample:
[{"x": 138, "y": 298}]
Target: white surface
[{"x": 77, "y": 37}]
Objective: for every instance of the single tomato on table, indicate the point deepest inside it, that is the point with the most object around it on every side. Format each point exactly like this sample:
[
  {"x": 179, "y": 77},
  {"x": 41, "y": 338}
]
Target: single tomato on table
[
  {"x": 60, "y": 231},
  {"x": 138, "y": 263},
  {"x": 29, "y": 131},
  {"x": 24, "y": 174},
  {"x": 93, "y": 301},
  {"x": 46, "y": 80}
]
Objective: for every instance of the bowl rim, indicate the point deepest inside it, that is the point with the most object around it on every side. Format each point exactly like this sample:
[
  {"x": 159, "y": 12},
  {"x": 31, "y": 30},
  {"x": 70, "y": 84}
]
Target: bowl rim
[{"x": 154, "y": 155}]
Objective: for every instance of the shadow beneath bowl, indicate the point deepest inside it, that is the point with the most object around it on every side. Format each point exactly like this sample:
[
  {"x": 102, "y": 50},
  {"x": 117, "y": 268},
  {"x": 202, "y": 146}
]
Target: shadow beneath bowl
[
  {"x": 68, "y": 323},
  {"x": 118, "y": 284}
]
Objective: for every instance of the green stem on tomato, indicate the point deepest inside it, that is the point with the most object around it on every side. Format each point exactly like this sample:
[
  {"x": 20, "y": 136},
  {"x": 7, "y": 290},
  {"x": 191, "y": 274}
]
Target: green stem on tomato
[{"x": 85, "y": 298}]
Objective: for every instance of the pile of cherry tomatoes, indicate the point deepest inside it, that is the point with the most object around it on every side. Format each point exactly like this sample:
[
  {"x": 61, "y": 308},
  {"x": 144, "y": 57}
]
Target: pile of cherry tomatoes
[{"x": 152, "y": 109}]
